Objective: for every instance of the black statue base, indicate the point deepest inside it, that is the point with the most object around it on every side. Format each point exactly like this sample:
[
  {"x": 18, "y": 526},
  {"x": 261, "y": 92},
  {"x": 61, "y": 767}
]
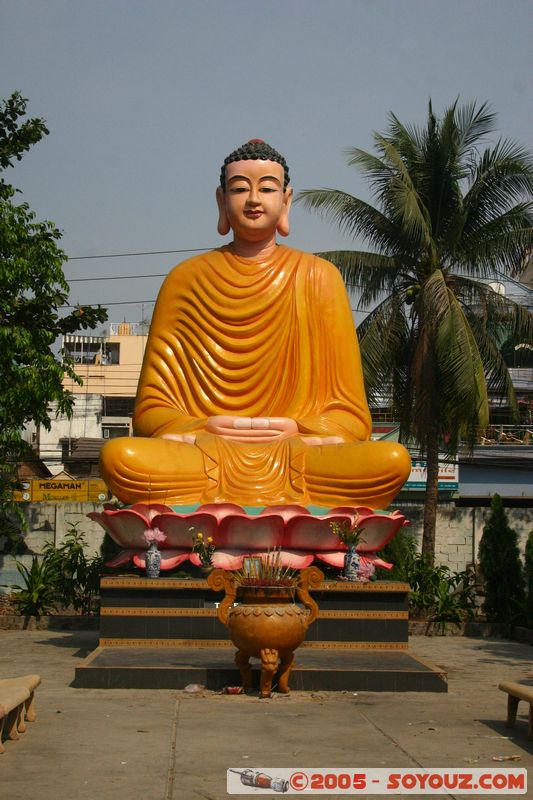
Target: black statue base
[{"x": 164, "y": 633}]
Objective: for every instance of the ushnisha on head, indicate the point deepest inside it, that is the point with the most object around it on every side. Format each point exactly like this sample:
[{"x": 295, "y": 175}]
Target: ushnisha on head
[
  {"x": 254, "y": 196},
  {"x": 255, "y": 150}
]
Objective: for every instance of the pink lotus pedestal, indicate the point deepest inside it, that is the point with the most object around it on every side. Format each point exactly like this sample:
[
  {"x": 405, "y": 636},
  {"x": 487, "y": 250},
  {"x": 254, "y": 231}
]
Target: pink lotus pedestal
[{"x": 300, "y": 534}]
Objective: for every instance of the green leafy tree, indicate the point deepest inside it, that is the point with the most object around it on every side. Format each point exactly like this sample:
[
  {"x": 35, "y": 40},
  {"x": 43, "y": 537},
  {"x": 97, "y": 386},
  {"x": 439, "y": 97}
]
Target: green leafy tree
[
  {"x": 500, "y": 564},
  {"x": 447, "y": 215},
  {"x": 32, "y": 311}
]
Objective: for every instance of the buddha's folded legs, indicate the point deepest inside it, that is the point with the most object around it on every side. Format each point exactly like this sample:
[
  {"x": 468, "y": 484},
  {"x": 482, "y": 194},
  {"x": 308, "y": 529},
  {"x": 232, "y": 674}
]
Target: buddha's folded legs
[
  {"x": 359, "y": 473},
  {"x": 153, "y": 470},
  {"x": 164, "y": 471}
]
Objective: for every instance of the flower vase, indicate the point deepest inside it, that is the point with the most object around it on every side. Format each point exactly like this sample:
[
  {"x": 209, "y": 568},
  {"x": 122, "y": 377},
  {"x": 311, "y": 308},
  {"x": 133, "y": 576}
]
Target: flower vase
[
  {"x": 351, "y": 564},
  {"x": 153, "y": 561}
]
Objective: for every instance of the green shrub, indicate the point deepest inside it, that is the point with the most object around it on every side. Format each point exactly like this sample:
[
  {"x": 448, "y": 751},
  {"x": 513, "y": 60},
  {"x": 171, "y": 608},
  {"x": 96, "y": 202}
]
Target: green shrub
[
  {"x": 77, "y": 577},
  {"x": 109, "y": 548},
  {"x": 500, "y": 564},
  {"x": 63, "y": 576},
  {"x": 38, "y": 595},
  {"x": 400, "y": 551},
  {"x": 437, "y": 594}
]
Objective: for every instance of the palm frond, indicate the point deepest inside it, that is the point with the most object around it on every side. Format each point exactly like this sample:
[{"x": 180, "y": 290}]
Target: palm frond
[
  {"x": 353, "y": 216},
  {"x": 447, "y": 368},
  {"x": 402, "y": 199},
  {"x": 371, "y": 273},
  {"x": 500, "y": 242},
  {"x": 409, "y": 139},
  {"x": 502, "y": 177},
  {"x": 374, "y": 169},
  {"x": 461, "y": 368},
  {"x": 473, "y": 124},
  {"x": 382, "y": 339}
]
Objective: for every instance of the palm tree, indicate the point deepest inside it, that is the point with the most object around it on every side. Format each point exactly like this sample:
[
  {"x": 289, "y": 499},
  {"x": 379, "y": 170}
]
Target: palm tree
[{"x": 447, "y": 216}]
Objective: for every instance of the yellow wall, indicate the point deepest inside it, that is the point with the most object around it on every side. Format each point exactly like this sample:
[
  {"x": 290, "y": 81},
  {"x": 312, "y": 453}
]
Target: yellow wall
[{"x": 112, "y": 379}]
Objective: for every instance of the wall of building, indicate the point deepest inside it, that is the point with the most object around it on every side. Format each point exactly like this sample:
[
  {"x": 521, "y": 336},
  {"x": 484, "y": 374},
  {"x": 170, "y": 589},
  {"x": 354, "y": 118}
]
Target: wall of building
[
  {"x": 49, "y": 522},
  {"x": 119, "y": 380},
  {"x": 459, "y": 530},
  {"x": 86, "y": 421},
  {"x": 514, "y": 480}
]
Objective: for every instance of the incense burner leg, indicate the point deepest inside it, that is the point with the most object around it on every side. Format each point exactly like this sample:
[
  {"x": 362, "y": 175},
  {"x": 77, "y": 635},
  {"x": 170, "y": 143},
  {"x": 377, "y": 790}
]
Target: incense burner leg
[
  {"x": 269, "y": 667},
  {"x": 285, "y": 669},
  {"x": 243, "y": 662}
]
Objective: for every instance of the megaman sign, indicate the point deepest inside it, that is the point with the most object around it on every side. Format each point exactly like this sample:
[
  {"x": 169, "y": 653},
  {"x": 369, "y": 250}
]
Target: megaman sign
[
  {"x": 44, "y": 490},
  {"x": 448, "y": 476}
]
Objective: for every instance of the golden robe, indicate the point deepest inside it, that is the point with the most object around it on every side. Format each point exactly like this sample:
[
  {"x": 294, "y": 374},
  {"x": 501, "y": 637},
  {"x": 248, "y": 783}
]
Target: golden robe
[{"x": 269, "y": 338}]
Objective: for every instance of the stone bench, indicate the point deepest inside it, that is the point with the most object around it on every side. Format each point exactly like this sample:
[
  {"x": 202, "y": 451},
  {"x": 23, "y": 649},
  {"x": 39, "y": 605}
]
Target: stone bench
[
  {"x": 517, "y": 692},
  {"x": 17, "y": 705}
]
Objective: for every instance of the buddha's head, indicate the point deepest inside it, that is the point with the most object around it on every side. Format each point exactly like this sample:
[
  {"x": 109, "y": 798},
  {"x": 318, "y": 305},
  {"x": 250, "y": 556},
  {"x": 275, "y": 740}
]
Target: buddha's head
[{"x": 254, "y": 196}]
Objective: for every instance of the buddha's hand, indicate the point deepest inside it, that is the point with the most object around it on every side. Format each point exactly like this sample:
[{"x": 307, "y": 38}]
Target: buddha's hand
[
  {"x": 252, "y": 429},
  {"x": 313, "y": 441},
  {"x": 188, "y": 438}
]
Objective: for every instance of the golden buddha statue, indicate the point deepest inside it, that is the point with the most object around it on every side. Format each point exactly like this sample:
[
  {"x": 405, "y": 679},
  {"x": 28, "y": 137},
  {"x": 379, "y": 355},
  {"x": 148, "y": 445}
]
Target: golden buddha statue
[{"x": 251, "y": 389}]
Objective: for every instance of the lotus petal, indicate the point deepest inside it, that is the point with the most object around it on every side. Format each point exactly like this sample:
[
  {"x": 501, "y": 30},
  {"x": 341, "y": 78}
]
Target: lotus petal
[
  {"x": 233, "y": 559},
  {"x": 222, "y": 559},
  {"x": 295, "y": 559},
  {"x": 241, "y": 532},
  {"x": 180, "y": 528},
  {"x": 333, "y": 557},
  {"x": 125, "y": 525},
  {"x": 124, "y": 557},
  {"x": 378, "y": 530},
  {"x": 169, "y": 558},
  {"x": 359, "y": 513},
  {"x": 377, "y": 561},
  {"x": 286, "y": 512},
  {"x": 336, "y": 559},
  {"x": 314, "y": 533},
  {"x": 150, "y": 510},
  {"x": 221, "y": 510}
]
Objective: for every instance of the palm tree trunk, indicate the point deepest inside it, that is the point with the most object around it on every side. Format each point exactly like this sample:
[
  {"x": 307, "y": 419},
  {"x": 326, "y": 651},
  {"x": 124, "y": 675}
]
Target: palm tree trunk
[{"x": 432, "y": 496}]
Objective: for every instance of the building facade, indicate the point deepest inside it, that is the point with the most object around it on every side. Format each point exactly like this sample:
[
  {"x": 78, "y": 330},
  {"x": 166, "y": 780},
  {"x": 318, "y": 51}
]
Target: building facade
[{"x": 109, "y": 366}]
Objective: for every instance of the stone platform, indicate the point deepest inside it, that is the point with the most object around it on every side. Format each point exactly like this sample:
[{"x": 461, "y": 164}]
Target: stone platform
[
  {"x": 315, "y": 669},
  {"x": 165, "y": 633}
]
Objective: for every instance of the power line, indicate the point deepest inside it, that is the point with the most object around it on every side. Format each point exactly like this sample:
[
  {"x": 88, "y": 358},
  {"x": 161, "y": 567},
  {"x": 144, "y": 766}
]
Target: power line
[
  {"x": 146, "y": 253},
  {"x": 122, "y": 303},
  {"x": 118, "y": 277},
  {"x": 152, "y": 302}
]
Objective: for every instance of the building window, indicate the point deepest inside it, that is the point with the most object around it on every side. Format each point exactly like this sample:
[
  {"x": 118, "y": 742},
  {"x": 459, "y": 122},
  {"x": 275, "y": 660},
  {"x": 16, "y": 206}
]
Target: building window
[
  {"x": 118, "y": 406},
  {"x": 114, "y": 431}
]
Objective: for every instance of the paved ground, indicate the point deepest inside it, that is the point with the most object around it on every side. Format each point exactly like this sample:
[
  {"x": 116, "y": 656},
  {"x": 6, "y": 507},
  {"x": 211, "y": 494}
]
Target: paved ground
[{"x": 90, "y": 744}]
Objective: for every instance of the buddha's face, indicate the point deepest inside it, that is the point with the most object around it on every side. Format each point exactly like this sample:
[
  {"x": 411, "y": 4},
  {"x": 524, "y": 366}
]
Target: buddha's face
[{"x": 254, "y": 201}]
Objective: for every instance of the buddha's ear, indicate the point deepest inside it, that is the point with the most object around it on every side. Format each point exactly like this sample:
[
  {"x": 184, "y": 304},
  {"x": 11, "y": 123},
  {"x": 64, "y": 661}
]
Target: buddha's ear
[
  {"x": 283, "y": 226},
  {"x": 223, "y": 226}
]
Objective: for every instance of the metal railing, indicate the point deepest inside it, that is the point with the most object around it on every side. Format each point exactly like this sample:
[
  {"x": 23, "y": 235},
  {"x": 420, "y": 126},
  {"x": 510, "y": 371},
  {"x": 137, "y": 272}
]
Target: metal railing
[{"x": 506, "y": 435}]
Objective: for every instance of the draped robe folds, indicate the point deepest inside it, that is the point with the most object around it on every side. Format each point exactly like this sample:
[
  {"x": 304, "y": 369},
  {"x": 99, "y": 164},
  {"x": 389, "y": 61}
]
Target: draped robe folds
[{"x": 249, "y": 338}]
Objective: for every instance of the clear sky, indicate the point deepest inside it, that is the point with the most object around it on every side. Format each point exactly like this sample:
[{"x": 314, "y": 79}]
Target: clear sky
[{"x": 145, "y": 98}]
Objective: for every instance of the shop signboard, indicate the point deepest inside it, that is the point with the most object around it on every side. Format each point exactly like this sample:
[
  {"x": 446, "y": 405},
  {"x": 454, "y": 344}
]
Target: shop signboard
[
  {"x": 448, "y": 476},
  {"x": 61, "y": 489}
]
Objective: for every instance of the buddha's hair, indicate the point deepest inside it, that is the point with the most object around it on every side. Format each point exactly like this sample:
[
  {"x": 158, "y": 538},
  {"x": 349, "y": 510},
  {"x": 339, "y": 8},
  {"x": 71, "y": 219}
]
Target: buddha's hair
[{"x": 255, "y": 150}]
